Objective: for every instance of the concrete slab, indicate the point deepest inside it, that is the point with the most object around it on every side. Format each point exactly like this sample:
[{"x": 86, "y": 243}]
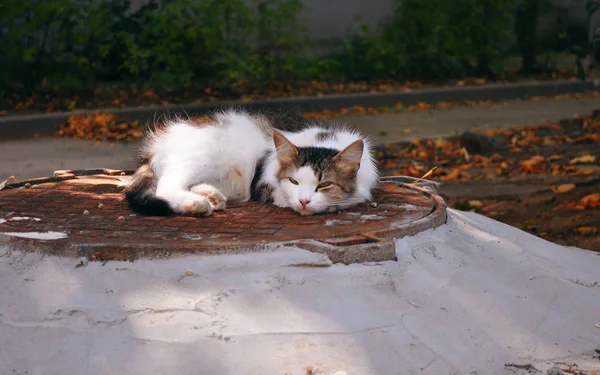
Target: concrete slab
[{"x": 473, "y": 296}]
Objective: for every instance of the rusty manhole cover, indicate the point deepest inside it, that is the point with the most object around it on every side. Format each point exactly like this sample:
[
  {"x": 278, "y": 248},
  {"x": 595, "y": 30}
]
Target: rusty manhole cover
[{"x": 83, "y": 214}]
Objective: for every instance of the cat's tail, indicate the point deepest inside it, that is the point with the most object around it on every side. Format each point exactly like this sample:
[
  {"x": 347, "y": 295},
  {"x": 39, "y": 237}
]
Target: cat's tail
[{"x": 141, "y": 194}]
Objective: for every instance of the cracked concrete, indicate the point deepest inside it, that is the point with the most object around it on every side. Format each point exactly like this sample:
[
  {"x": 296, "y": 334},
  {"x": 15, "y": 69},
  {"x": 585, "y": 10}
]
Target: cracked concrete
[{"x": 473, "y": 296}]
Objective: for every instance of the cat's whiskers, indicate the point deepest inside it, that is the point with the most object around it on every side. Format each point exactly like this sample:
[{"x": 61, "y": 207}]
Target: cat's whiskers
[{"x": 185, "y": 112}]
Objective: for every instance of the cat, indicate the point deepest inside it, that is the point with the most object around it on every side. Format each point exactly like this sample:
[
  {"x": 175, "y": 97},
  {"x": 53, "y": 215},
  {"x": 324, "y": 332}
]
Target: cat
[{"x": 194, "y": 166}]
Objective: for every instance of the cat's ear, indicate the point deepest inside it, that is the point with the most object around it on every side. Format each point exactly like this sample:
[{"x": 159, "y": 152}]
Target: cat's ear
[
  {"x": 286, "y": 151},
  {"x": 348, "y": 160}
]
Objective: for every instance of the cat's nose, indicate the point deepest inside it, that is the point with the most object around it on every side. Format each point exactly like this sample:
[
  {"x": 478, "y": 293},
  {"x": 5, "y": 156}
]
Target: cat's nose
[{"x": 304, "y": 202}]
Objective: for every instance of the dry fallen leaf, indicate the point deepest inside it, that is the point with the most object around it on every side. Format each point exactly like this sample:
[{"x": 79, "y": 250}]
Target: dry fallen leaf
[
  {"x": 453, "y": 175},
  {"x": 7, "y": 181},
  {"x": 531, "y": 165},
  {"x": 583, "y": 170},
  {"x": 101, "y": 127},
  {"x": 586, "y": 231},
  {"x": 583, "y": 159},
  {"x": 591, "y": 200},
  {"x": 465, "y": 153},
  {"x": 570, "y": 205},
  {"x": 476, "y": 204},
  {"x": 554, "y": 157},
  {"x": 562, "y": 188}
]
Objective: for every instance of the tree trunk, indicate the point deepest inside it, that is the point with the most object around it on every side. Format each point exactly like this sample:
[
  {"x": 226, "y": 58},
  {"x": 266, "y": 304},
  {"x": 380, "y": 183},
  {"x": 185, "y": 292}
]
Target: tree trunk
[{"x": 527, "y": 21}]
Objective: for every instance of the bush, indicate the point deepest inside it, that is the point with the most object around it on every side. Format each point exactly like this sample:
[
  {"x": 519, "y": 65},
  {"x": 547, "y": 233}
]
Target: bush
[
  {"x": 74, "y": 43},
  {"x": 423, "y": 39},
  {"x": 77, "y": 44},
  {"x": 362, "y": 57},
  {"x": 217, "y": 41}
]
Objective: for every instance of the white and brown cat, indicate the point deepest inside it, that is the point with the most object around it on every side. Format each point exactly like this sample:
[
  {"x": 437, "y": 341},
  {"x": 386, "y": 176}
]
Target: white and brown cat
[{"x": 193, "y": 166}]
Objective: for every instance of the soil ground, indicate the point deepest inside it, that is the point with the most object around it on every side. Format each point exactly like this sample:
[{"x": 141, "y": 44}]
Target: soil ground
[
  {"x": 542, "y": 179},
  {"x": 538, "y": 213}
]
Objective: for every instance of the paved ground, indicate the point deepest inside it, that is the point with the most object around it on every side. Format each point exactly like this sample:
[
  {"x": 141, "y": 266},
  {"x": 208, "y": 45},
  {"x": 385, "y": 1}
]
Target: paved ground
[
  {"x": 470, "y": 297},
  {"x": 407, "y": 126},
  {"x": 40, "y": 157},
  {"x": 34, "y": 158}
]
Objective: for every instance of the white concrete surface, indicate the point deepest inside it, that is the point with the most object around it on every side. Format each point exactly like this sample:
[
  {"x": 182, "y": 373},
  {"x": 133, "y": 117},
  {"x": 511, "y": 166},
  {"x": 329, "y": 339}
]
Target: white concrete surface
[{"x": 469, "y": 297}]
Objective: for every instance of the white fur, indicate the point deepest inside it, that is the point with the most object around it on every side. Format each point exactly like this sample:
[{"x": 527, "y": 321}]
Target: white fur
[
  {"x": 288, "y": 195},
  {"x": 224, "y": 155},
  {"x": 187, "y": 155}
]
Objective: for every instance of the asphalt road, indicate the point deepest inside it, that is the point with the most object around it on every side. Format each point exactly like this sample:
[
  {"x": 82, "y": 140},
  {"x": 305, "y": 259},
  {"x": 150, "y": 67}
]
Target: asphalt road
[{"x": 40, "y": 157}]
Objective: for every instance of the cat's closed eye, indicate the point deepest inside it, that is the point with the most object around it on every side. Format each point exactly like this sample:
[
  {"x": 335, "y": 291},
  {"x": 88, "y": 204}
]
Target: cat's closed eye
[
  {"x": 323, "y": 185},
  {"x": 292, "y": 181}
]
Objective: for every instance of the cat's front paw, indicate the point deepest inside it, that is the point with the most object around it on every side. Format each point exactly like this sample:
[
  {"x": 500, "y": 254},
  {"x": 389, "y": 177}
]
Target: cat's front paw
[
  {"x": 196, "y": 206},
  {"x": 217, "y": 200}
]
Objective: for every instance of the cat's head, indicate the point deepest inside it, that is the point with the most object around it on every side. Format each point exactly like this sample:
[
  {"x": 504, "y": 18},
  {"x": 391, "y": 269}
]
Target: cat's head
[{"x": 316, "y": 179}]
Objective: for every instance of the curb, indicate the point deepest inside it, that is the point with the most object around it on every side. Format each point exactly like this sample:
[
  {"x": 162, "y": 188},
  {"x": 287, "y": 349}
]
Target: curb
[{"x": 21, "y": 126}]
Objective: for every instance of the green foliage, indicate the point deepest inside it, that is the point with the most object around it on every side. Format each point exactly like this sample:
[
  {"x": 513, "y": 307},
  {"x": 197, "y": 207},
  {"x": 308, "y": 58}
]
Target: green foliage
[
  {"x": 432, "y": 39},
  {"x": 63, "y": 42},
  {"x": 363, "y": 56},
  {"x": 72, "y": 43},
  {"x": 592, "y": 6}
]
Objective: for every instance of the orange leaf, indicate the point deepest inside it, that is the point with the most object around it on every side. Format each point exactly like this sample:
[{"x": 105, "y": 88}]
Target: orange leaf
[
  {"x": 555, "y": 170},
  {"x": 452, "y": 175},
  {"x": 570, "y": 205},
  {"x": 591, "y": 200},
  {"x": 531, "y": 165},
  {"x": 465, "y": 153},
  {"x": 594, "y": 137},
  {"x": 562, "y": 188},
  {"x": 554, "y": 157},
  {"x": 583, "y": 159},
  {"x": 586, "y": 231}
]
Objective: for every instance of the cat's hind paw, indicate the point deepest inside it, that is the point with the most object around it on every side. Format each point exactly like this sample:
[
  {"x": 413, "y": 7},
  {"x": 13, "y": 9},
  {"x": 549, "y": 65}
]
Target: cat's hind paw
[{"x": 217, "y": 200}]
